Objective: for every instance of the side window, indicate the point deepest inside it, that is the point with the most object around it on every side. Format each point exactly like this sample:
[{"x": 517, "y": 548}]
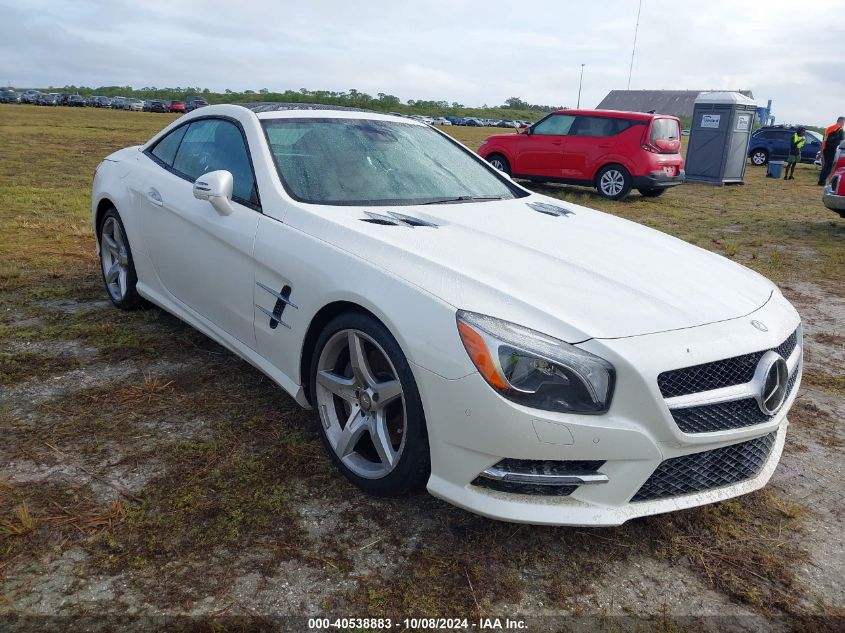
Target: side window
[
  {"x": 165, "y": 149},
  {"x": 555, "y": 125},
  {"x": 212, "y": 144},
  {"x": 595, "y": 126}
]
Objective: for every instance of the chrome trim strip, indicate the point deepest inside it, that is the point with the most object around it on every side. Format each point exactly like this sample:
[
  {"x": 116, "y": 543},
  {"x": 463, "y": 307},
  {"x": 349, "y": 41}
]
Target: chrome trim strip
[
  {"x": 409, "y": 219},
  {"x": 714, "y": 396},
  {"x": 284, "y": 300},
  {"x": 746, "y": 390},
  {"x": 544, "y": 480},
  {"x": 387, "y": 218},
  {"x": 272, "y": 316},
  {"x": 794, "y": 358}
]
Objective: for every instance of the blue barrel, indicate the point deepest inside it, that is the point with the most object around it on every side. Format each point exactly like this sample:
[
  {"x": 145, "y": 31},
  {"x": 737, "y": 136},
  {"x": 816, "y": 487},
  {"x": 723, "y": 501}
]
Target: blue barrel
[{"x": 775, "y": 169}]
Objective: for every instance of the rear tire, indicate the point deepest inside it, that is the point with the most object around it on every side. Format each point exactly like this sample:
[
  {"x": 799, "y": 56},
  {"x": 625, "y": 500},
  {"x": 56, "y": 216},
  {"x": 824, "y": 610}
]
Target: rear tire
[
  {"x": 368, "y": 407},
  {"x": 652, "y": 193},
  {"x": 117, "y": 264},
  {"x": 613, "y": 182},
  {"x": 759, "y": 157},
  {"x": 500, "y": 162}
]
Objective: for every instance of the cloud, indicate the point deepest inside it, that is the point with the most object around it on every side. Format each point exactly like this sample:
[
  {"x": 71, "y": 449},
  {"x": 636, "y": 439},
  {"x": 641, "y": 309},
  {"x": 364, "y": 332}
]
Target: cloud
[{"x": 456, "y": 51}]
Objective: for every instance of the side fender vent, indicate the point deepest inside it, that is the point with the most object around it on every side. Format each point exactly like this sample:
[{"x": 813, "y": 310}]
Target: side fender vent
[
  {"x": 550, "y": 209},
  {"x": 396, "y": 219}
]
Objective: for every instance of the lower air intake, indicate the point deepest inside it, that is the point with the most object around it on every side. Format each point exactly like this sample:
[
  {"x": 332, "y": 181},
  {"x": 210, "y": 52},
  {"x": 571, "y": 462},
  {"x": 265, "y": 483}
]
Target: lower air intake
[
  {"x": 698, "y": 472},
  {"x": 540, "y": 477}
]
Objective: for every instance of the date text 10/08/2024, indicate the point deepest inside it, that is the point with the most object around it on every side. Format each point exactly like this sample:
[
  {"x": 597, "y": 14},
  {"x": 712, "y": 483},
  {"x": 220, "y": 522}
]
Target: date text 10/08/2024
[{"x": 482, "y": 624}]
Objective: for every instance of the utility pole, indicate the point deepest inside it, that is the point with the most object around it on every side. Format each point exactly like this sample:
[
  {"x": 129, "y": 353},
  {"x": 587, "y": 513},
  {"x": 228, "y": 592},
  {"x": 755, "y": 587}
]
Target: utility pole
[
  {"x": 580, "y": 81},
  {"x": 634, "y": 50}
]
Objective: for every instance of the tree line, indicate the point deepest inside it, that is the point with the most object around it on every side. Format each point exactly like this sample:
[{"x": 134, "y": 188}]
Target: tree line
[{"x": 512, "y": 108}]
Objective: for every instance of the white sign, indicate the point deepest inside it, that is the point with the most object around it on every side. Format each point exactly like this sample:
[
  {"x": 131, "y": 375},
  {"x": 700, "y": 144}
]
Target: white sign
[
  {"x": 711, "y": 120},
  {"x": 743, "y": 121}
]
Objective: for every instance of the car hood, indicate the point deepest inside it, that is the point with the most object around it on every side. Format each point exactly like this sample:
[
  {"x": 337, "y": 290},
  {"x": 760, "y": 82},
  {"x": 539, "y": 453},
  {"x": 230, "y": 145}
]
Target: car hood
[{"x": 583, "y": 274}]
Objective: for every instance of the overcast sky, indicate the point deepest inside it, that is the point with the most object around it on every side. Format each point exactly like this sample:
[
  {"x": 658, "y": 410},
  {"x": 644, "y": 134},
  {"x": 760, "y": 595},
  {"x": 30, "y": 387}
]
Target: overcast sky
[{"x": 472, "y": 52}]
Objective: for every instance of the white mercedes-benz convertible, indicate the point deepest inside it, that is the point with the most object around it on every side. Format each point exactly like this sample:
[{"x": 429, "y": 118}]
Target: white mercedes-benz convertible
[{"x": 524, "y": 358}]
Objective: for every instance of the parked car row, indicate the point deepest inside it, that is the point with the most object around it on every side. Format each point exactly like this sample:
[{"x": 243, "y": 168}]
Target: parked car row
[
  {"x": 466, "y": 121},
  {"x": 36, "y": 97},
  {"x": 478, "y": 122}
]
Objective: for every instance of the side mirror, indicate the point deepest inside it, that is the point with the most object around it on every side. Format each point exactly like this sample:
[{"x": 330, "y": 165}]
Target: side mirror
[
  {"x": 526, "y": 130},
  {"x": 216, "y": 187}
]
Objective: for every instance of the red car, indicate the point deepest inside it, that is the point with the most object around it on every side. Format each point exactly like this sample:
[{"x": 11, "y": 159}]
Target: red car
[
  {"x": 606, "y": 149},
  {"x": 177, "y": 106},
  {"x": 834, "y": 192}
]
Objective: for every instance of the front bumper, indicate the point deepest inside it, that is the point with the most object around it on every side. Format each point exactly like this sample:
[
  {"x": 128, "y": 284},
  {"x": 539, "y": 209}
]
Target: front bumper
[
  {"x": 833, "y": 201},
  {"x": 472, "y": 429},
  {"x": 659, "y": 180}
]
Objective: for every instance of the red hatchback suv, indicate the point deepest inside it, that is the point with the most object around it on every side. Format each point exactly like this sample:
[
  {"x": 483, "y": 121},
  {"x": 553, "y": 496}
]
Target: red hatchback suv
[{"x": 606, "y": 149}]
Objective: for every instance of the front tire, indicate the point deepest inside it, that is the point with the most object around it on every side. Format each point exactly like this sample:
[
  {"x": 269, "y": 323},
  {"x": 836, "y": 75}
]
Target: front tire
[
  {"x": 116, "y": 263},
  {"x": 368, "y": 407},
  {"x": 759, "y": 157},
  {"x": 613, "y": 182}
]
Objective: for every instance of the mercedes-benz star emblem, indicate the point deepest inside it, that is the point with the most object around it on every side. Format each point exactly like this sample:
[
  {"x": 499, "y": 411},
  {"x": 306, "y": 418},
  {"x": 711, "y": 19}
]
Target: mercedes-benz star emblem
[
  {"x": 771, "y": 377},
  {"x": 760, "y": 326}
]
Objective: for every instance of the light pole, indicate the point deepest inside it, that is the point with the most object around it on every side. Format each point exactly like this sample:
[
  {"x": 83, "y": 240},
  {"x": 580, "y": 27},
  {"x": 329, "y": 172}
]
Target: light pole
[{"x": 580, "y": 81}]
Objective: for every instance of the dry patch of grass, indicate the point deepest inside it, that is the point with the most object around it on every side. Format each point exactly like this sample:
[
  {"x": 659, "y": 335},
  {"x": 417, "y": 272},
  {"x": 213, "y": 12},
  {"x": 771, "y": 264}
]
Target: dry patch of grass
[
  {"x": 211, "y": 491},
  {"x": 37, "y": 519},
  {"x": 821, "y": 425},
  {"x": 834, "y": 383},
  {"x": 19, "y": 366},
  {"x": 826, "y": 338},
  {"x": 117, "y": 335},
  {"x": 747, "y": 548},
  {"x": 21, "y": 522}
]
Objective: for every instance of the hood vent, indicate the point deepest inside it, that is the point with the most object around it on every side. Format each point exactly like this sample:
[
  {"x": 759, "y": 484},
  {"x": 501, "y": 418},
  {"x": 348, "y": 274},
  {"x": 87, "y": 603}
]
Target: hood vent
[
  {"x": 550, "y": 209},
  {"x": 396, "y": 219}
]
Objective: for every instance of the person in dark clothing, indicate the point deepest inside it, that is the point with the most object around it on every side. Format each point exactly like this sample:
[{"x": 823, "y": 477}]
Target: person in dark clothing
[
  {"x": 832, "y": 138},
  {"x": 794, "y": 157}
]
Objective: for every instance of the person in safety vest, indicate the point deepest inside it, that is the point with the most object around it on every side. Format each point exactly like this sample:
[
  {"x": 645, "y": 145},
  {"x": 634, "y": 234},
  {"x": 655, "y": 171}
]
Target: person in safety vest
[
  {"x": 833, "y": 136},
  {"x": 794, "y": 157}
]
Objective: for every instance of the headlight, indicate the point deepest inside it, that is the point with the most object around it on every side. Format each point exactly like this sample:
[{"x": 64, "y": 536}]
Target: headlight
[{"x": 536, "y": 370}]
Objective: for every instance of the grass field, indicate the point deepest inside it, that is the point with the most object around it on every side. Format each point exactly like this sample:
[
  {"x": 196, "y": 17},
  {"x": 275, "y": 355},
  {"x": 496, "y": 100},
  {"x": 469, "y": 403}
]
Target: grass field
[{"x": 145, "y": 469}]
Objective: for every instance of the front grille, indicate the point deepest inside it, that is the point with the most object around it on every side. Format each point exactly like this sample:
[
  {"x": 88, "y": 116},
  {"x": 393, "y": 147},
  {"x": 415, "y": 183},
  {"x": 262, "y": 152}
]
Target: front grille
[
  {"x": 736, "y": 414},
  {"x": 698, "y": 472},
  {"x": 537, "y": 467},
  {"x": 720, "y": 373},
  {"x": 720, "y": 417}
]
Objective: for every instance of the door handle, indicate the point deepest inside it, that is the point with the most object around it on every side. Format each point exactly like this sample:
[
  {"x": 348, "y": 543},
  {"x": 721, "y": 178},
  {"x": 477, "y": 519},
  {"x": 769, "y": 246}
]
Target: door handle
[
  {"x": 155, "y": 198},
  {"x": 556, "y": 143}
]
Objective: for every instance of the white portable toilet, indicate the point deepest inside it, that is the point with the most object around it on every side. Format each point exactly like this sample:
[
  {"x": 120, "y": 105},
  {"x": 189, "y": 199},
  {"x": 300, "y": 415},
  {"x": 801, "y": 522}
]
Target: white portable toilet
[{"x": 719, "y": 137}]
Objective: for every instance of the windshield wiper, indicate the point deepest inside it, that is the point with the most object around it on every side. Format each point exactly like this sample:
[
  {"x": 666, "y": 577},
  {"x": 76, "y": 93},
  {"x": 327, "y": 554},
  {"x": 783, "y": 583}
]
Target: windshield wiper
[{"x": 463, "y": 199}]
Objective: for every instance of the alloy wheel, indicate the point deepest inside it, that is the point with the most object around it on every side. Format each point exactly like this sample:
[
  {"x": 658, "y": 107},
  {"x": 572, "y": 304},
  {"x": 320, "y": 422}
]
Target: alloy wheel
[
  {"x": 361, "y": 404},
  {"x": 612, "y": 182},
  {"x": 498, "y": 164},
  {"x": 114, "y": 257},
  {"x": 758, "y": 158}
]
